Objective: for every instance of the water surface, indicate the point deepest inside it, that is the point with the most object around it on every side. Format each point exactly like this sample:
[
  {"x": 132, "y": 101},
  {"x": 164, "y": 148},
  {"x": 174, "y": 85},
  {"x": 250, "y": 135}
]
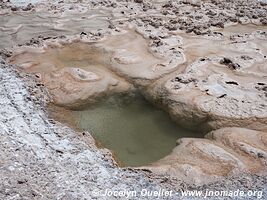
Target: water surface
[{"x": 137, "y": 132}]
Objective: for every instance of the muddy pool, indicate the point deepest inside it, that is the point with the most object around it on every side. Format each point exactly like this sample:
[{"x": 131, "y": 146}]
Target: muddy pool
[{"x": 137, "y": 132}]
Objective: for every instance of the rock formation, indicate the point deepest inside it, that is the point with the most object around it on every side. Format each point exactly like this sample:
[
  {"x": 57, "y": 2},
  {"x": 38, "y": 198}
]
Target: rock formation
[{"x": 224, "y": 152}]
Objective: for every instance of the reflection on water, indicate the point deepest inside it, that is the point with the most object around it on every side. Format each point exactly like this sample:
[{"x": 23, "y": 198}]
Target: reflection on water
[{"x": 137, "y": 132}]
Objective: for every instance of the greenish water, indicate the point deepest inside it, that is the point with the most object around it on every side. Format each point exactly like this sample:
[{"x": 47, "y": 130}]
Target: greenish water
[{"x": 137, "y": 132}]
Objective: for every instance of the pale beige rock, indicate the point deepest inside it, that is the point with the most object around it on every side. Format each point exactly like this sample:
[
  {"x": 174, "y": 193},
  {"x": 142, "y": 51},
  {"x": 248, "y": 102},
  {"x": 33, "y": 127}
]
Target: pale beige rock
[
  {"x": 75, "y": 74},
  {"x": 247, "y": 143},
  {"x": 224, "y": 85},
  {"x": 225, "y": 152},
  {"x": 78, "y": 71}
]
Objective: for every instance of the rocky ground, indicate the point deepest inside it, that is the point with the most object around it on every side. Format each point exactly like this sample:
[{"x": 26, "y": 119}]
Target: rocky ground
[
  {"x": 201, "y": 74},
  {"x": 42, "y": 159}
]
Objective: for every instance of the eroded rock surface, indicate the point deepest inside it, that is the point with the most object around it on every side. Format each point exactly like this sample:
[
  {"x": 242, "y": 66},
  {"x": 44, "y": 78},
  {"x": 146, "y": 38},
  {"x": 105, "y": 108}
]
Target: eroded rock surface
[
  {"x": 225, "y": 152},
  {"x": 221, "y": 86},
  {"x": 77, "y": 72},
  {"x": 42, "y": 159}
]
